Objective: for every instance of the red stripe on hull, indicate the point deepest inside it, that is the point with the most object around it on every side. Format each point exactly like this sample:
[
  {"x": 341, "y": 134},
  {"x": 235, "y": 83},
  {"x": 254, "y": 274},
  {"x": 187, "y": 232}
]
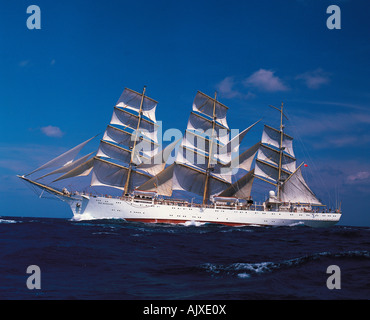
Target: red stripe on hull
[{"x": 173, "y": 221}]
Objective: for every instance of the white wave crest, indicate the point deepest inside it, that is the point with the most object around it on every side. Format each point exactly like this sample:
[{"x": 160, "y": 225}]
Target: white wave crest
[
  {"x": 245, "y": 270},
  {"x": 7, "y": 221},
  {"x": 193, "y": 223},
  {"x": 83, "y": 217}
]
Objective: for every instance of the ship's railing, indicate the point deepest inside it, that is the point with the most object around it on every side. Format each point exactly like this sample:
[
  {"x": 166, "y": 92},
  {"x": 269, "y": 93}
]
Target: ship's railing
[{"x": 224, "y": 206}]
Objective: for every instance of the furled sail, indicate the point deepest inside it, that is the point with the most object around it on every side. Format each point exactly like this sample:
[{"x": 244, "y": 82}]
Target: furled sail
[{"x": 295, "y": 189}]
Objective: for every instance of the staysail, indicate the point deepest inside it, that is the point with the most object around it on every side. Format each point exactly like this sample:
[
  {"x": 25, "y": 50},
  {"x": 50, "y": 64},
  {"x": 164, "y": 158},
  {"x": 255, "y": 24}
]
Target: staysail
[
  {"x": 63, "y": 159},
  {"x": 296, "y": 190}
]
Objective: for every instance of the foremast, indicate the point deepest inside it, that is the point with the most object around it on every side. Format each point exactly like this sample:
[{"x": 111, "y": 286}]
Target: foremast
[
  {"x": 129, "y": 153},
  {"x": 126, "y": 187}
]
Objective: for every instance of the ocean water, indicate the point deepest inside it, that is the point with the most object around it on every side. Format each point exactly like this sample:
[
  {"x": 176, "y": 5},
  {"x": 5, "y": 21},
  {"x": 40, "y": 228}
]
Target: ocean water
[{"x": 112, "y": 259}]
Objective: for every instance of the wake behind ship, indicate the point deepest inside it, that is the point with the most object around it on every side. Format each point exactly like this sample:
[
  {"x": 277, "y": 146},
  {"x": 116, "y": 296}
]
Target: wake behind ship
[{"x": 208, "y": 165}]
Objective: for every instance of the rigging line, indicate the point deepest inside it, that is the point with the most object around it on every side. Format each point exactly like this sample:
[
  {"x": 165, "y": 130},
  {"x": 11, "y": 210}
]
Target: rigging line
[{"x": 307, "y": 155}]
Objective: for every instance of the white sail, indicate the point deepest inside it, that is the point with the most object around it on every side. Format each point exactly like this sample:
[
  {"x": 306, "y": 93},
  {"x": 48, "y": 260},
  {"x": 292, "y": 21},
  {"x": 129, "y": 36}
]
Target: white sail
[
  {"x": 270, "y": 172},
  {"x": 204, "y": 125},
  {"x": 69, "y": 166},
  {"x": 126, "y": 119},
  {"x": 109, "y": 174},
  {"x": 190, "y": 179},
  {"x": 207, "y": 105},
  {"x": 243, "y": 161},
  {"x": 124, "y": 138},
  {"x": 272, "y": 156},
  {"x": 63, "y": 159},
  {"x": 272, "y": 136},
  {"x": 241, "y": 188},
  {"x": 199, "y": 142},
  {"x": 295, "y": 189},
  {"x": 192, "y": 158},
  {"x": 156, "y": 163},
  {"x": 131, "y": 99},
  {"x": 234, "y": 143},
  {"x": 161, "y": 183},
  {"x": 109, "y": 150},
  {"x": 116, "y": 135},
  {"x": 83, "y": 169}
]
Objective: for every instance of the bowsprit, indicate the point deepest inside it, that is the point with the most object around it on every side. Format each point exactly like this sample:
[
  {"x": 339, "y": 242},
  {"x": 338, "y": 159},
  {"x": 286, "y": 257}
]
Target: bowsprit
[{"x": 206, "y": 309}]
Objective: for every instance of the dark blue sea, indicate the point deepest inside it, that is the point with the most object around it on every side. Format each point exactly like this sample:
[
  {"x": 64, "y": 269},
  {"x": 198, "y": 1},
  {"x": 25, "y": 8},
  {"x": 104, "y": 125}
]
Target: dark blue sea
[{"x": 112, "y": 259}]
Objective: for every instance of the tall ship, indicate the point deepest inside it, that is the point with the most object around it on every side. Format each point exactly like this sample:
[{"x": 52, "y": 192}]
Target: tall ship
[{"x": 208, "y": 180}]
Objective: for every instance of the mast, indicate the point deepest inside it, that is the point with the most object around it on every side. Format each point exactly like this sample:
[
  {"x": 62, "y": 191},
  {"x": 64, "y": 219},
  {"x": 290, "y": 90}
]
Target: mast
[
  {"x": 205, "y": 193},
  {"x": 126, "y": 188},
  {"x": 206, "y": 139},
  {"x": 281, "y": 148}
]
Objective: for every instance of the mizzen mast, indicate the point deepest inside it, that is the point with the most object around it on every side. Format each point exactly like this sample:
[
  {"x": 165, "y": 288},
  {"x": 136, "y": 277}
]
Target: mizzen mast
[{"x": 281, "y": 148}]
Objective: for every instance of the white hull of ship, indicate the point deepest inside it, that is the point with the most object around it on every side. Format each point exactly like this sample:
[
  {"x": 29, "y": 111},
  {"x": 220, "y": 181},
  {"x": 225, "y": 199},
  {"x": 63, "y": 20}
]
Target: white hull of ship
[{"x": 86, "y": 207}]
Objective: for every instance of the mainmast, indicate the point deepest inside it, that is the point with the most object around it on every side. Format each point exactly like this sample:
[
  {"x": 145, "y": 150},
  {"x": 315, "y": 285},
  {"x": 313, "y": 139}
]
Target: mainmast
[
  {"x": 204, "y": 164},
  {"x": 126, "y": 188},
  {"x": 205, "y": 193}
]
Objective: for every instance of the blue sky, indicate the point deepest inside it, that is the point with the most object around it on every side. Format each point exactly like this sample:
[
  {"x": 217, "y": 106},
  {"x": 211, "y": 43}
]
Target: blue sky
[{"x": 59, "y": 83}]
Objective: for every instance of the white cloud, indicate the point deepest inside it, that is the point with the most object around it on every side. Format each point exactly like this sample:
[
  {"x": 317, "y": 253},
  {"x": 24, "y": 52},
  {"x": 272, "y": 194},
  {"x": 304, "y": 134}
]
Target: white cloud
[
  {"x": 265, "y": 80},
  {"x": 359, "y": 176},
  {"x": 226, "y": 88},
  {"x": 314, "y": 79},
  {"x": 52, "y": 131},
  {"x": 23, "y": 63}
]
